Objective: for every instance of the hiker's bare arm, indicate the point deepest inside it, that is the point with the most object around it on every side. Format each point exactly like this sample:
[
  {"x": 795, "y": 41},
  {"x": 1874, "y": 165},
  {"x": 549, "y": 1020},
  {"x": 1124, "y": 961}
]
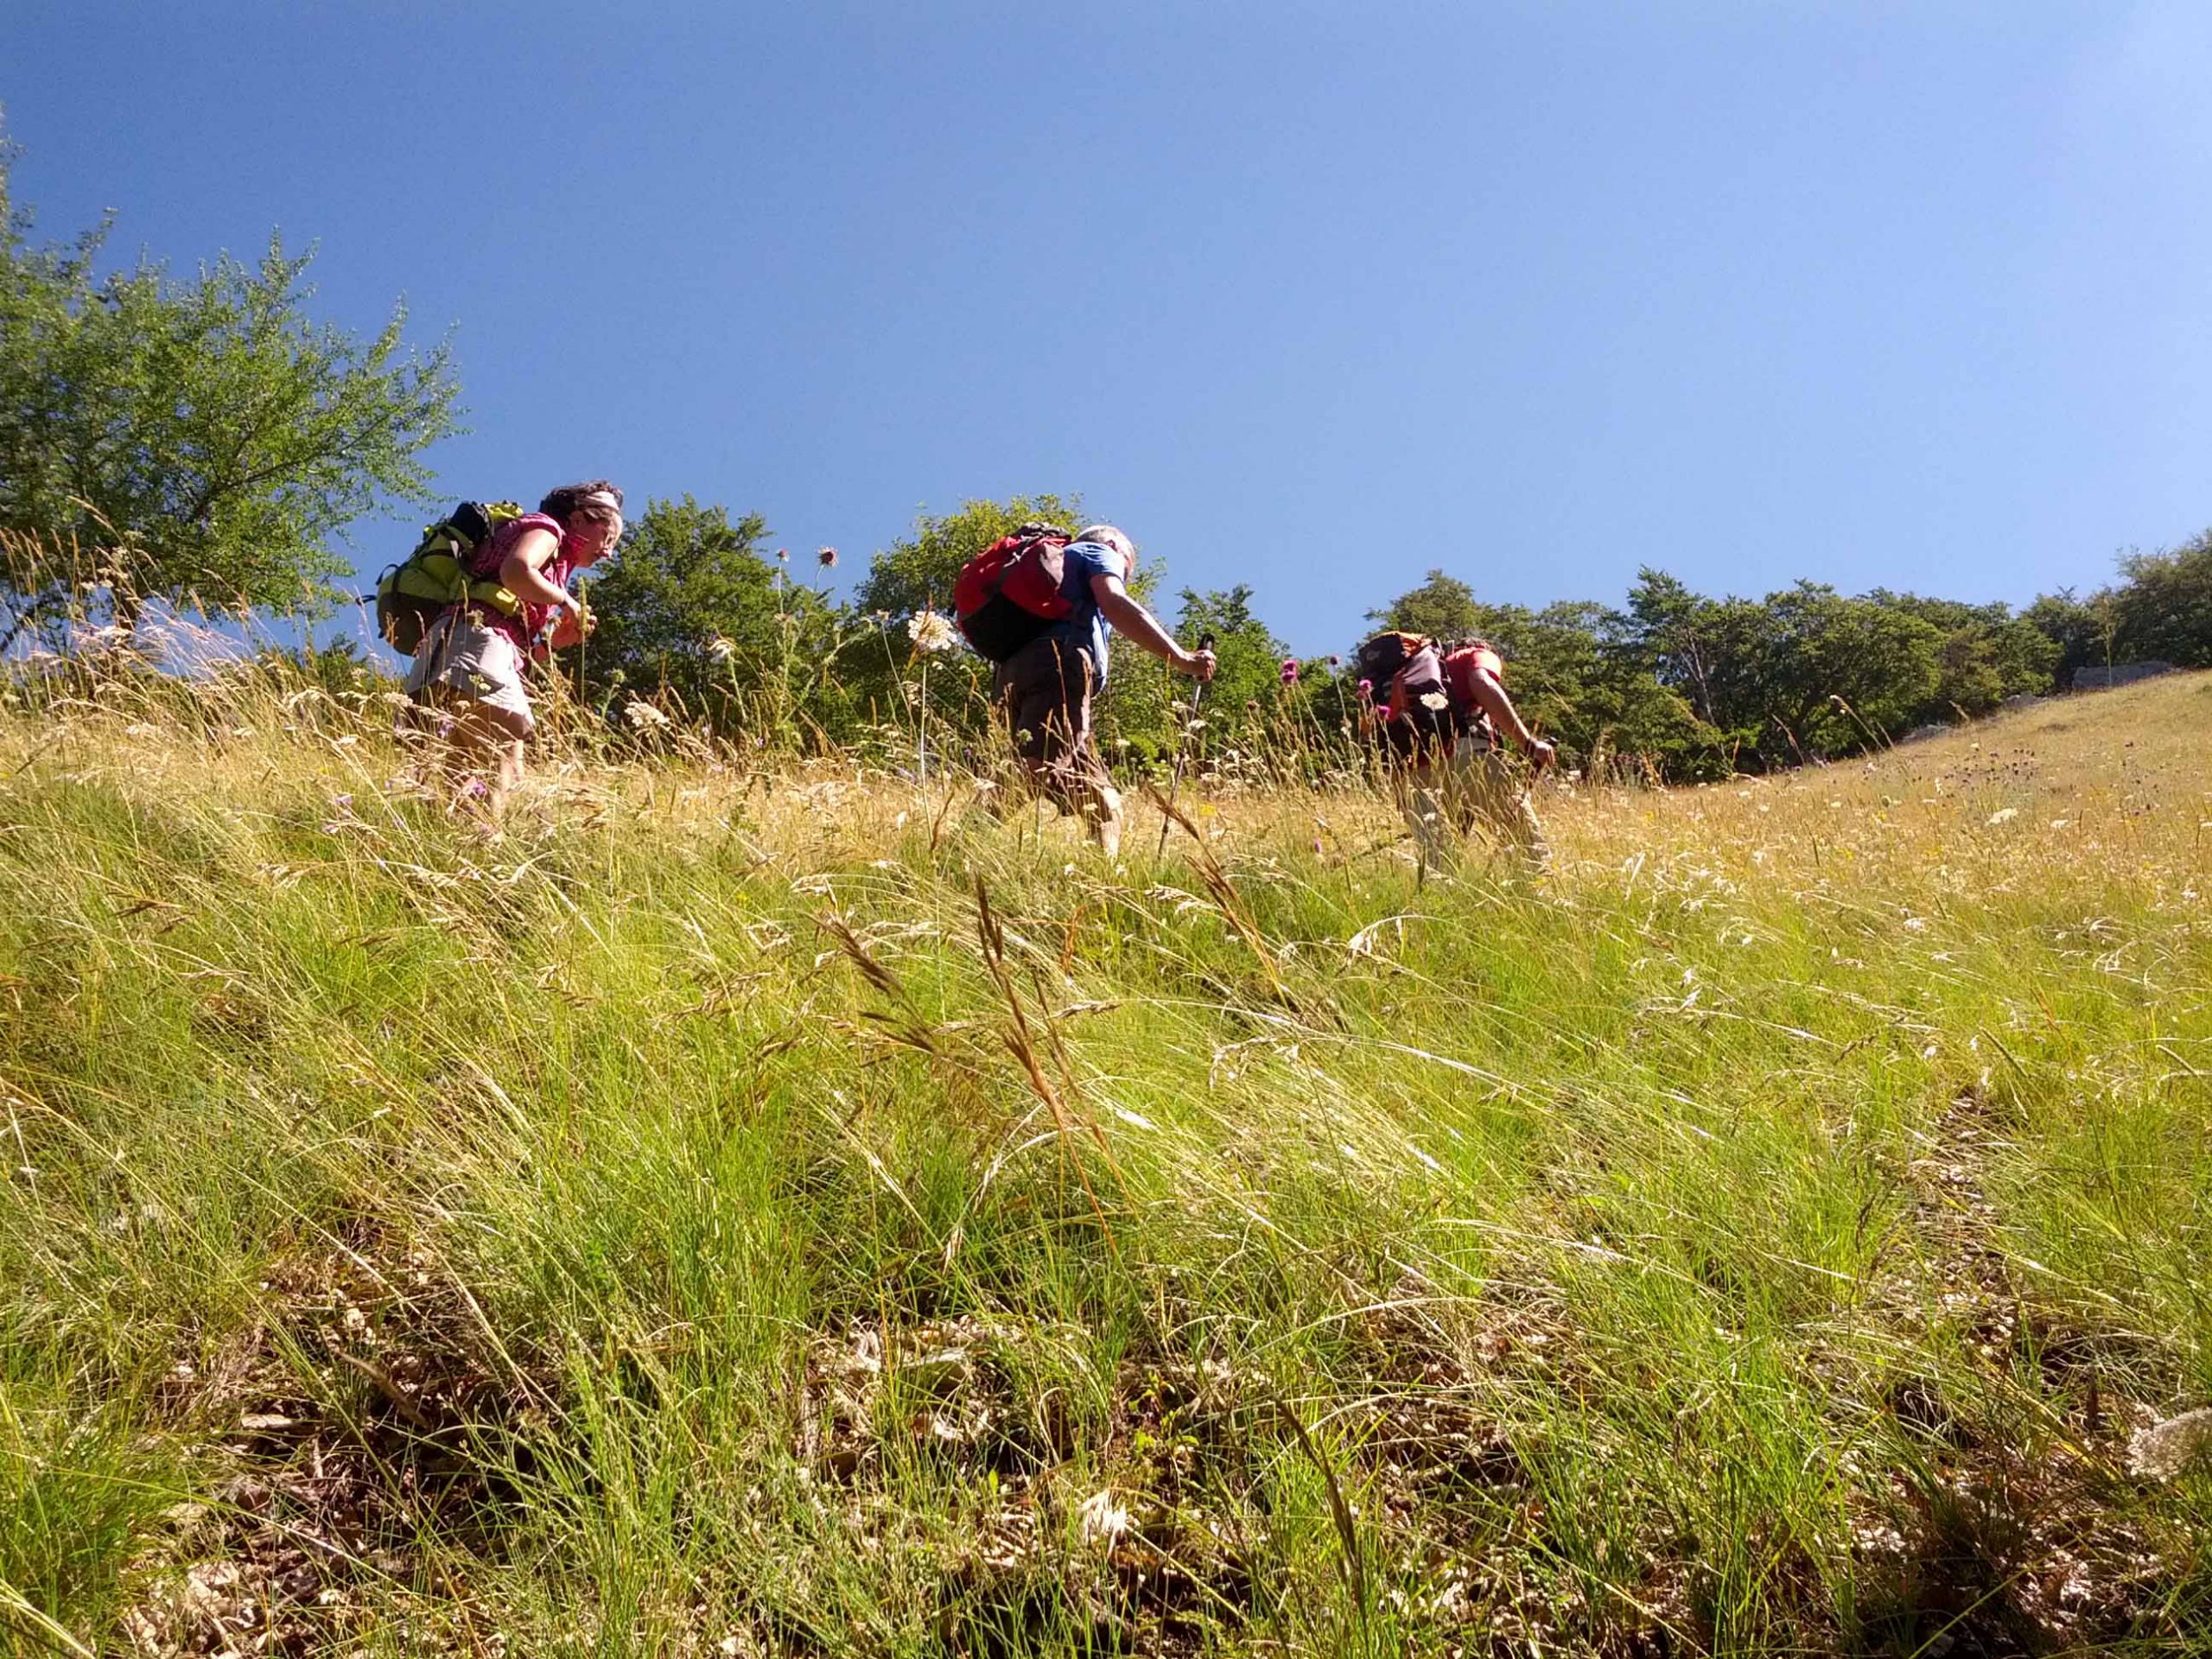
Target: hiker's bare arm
[
  {"x": 520, "y": 572},
  {"x": 1135, "y": 623},
  {"x": 1491, "y": 693}
]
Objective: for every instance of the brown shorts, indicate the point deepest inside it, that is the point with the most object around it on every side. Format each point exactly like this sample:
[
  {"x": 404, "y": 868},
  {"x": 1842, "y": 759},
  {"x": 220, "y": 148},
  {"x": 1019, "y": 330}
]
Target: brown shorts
[{"x": 1045, "y": 691}]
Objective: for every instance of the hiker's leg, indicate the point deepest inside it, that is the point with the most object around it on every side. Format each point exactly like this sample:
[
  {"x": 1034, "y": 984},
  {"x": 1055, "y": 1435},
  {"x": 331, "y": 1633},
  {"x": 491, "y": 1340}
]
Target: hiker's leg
[
  {"x": 474, "y": 672},
  {"x": 1084, "y": 779},
  {"x": 1423, "y": 804},
  {"x": 1034, "y": 698},
  {"x": 485, "y": 745},
  {"x": 1502, "y": 785}
]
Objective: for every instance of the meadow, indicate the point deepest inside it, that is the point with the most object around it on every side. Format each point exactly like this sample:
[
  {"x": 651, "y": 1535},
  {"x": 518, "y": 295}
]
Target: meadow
[{"x": 767, "y": 1207}]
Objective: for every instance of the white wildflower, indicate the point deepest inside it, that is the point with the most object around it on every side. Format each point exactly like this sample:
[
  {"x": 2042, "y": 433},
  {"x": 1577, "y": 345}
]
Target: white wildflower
[
  {"x": 931, "y": 631},
  {"x": 1101, "y": 1517},
  {"x": 643, "y": 716},
  {"x": 2005, "y": 815},
  {"x": 2165, "y": 1450},
  {"x": 1435, "y": 700}
]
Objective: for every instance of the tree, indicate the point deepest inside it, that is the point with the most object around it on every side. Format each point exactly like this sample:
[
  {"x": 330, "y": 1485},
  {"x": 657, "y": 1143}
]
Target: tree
[
  {"x": 1665, "y": 629},
  {"x": 1987, "y": 654},
  {"x": 1443, "y": 607},
  {"x": 1249, "y": 663},
  {"x": 205, "y": 434},
  {"x": 686, "y": 605},
  {"x": 2081, "y": 632},
  {"x": 2163, "y": 606}
]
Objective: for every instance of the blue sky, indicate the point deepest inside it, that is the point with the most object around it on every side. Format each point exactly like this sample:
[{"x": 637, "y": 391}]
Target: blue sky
[{"x": 1310, "y": 296}]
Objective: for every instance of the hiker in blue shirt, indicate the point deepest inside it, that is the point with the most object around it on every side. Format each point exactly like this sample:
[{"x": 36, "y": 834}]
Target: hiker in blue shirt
[{"x": 1047, "y": 687}]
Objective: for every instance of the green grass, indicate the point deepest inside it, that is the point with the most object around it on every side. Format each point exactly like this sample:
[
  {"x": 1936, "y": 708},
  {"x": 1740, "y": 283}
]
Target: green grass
[{"x": 670, "y": 1229}]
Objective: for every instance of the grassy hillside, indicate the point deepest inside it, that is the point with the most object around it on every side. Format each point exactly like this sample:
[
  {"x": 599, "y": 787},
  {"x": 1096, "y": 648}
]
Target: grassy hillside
[{"x": 747, "y": 1213}]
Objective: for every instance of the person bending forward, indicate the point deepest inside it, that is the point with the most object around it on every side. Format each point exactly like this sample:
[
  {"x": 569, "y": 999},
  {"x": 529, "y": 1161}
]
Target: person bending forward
[
  {"x": 470, "y": 664},
  {"x": 1047, "y": 689}
]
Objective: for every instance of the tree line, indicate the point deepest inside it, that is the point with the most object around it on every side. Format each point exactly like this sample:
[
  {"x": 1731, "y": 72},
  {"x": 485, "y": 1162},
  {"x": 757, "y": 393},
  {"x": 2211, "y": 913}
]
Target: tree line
[
  {"x": 200, "y": 440},
  {"x": 1679, "y": 685}
]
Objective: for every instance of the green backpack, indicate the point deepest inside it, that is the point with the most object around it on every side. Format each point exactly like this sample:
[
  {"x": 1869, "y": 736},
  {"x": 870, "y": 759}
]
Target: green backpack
[{"x": 411, "y": 593}]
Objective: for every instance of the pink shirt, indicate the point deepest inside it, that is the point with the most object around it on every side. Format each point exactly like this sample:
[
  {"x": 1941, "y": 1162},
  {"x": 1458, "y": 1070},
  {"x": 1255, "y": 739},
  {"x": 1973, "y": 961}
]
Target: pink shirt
[{"x": 527, "y": 624}]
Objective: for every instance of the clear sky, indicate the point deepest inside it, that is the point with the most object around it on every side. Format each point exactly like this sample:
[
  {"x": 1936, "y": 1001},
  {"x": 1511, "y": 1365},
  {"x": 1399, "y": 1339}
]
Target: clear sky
[{"x": 1310, "y": 296}]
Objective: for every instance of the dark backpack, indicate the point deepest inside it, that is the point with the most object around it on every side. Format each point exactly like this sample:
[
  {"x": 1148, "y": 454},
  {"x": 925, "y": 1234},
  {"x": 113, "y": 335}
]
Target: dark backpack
[
  {"x": 1009, "y": 593},
  {"x": 438, "y": 573},
  {"x": 1380, "y": 661}
]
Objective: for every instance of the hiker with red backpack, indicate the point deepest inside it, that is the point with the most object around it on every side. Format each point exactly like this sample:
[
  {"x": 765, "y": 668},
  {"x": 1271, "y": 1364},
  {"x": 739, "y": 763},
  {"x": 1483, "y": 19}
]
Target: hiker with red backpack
[
  {"x": 1040, "y": 604},
  {"x": 1440, "y": 711},
  {"x": 516, "y": 604}
]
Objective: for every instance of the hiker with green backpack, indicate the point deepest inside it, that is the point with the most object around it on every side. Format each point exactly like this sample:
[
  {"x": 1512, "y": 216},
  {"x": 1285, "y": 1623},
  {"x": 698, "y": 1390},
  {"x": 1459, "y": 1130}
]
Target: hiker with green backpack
[{"x": 486, "y": 590}]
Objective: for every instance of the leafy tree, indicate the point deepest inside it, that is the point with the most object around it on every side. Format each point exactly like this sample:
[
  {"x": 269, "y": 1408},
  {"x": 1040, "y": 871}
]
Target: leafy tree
[
  {"x": 2162, "y": 606},
  {"x": 2082, "y": 631},
  {"x": 686, "y": 605},
  {"x": 1987, "y": 653},
  {"x": 1247, "y": 679},
  {"x": 1665, "y": 629},
  {"x": 1840, "y": 671},
  {"x": 205, "y": 434},
  {"x": 1443, "y": 607}
]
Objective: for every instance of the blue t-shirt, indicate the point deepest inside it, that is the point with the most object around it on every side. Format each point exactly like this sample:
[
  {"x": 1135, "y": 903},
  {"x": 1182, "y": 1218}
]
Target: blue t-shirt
[{"x": 1086, "y": 624}]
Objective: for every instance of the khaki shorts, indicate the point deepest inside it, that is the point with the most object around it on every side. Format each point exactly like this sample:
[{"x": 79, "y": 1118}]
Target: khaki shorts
[{"x": 460, "y": 658}]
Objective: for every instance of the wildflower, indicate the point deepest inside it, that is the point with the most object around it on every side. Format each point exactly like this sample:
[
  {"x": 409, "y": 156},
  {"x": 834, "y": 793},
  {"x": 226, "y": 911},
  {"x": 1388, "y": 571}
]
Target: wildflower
[
  {"x": 1334, "y": 663},
  {"x": 721, "y": 648},
  {"x": 1102, "y": 1519},
  {"x": 2165, "y": 1450},
  {"x": 643, "y": 716},
  {"x": 783, "y": 556},
  {"x": 826, "y": 558},
  {"x": 1435, "y": 700},
  {"x": 1367, "y": 690},
  {"x": 2005, "y": 815},
  {"x": 931, "y": 631},
  {"x": 1289, "y": 672}
]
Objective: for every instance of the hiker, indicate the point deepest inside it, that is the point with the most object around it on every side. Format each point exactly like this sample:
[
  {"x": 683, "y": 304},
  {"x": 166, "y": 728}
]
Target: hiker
[
  {"x": 1040, "y": 605},
  {"x": 469, "y": 665},
  {"x": 1441, "y": 711}
]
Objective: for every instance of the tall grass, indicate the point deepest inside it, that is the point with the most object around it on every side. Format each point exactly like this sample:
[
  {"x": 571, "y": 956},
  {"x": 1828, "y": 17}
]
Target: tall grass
[{"x": 741, "y": 1211}]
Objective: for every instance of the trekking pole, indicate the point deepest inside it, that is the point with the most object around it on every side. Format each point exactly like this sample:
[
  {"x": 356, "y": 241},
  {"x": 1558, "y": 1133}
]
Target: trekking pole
[{"x": 1182, "y": 742}]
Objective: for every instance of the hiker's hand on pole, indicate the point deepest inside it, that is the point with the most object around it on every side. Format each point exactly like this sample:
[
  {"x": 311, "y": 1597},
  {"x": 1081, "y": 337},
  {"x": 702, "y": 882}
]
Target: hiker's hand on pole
[{"x": 1199, "y": 664}]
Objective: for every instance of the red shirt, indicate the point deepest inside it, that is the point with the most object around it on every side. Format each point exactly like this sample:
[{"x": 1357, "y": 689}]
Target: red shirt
[{"x": 529, "y": 621}]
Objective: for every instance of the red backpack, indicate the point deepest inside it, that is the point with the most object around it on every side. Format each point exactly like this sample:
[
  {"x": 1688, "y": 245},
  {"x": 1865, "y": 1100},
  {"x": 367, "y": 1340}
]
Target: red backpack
[
  {"x": 1460, "y": 667},
  {"x": 1009, "y": 593}
]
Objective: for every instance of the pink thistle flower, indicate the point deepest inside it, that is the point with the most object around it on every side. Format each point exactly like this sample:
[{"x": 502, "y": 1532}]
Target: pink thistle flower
[{"x": 1290, "y": 671}]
